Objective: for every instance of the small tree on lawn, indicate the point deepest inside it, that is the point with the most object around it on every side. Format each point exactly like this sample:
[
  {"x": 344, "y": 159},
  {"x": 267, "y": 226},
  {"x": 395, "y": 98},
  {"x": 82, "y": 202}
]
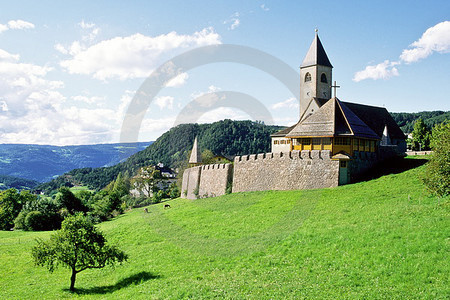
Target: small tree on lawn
[
  {"x": 79, "y": 246},
  {"x": 421, "y": 135},
  {"x": 437, "y": 172}
]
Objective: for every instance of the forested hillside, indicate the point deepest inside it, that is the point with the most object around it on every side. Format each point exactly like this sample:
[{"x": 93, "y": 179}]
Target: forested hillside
[
  {"x": 7, "y": 182},
  {"x": 224, "y": 137},
  {"x": 431, "y": 118}
]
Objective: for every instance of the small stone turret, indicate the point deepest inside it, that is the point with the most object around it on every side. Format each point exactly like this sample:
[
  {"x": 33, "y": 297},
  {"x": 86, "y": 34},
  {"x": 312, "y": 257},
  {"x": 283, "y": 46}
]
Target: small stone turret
[{"x": 196, "y": 156}]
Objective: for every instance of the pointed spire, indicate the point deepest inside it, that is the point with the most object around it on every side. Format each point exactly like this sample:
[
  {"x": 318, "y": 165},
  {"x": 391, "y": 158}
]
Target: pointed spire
[
  {"x": 316, "y": 54},
  {"x": 196, "y": 157}
]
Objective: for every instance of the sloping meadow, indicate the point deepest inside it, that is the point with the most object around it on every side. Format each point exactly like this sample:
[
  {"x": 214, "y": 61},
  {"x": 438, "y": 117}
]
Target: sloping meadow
[{"x": 381, "y": 239}]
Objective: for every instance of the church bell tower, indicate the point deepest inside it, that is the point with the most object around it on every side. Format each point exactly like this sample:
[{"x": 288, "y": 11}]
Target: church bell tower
[{"x": 315, "y": 78}]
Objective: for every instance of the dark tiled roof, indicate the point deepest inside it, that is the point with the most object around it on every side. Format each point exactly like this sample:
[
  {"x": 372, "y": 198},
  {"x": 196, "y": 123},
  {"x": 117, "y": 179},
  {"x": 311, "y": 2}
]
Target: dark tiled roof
[
  {"x": 376, "y": 118},
  {"x": 316, "y": 55},
  {"x": 333, "y": 119},
  {"x": 358, "y": 127}
]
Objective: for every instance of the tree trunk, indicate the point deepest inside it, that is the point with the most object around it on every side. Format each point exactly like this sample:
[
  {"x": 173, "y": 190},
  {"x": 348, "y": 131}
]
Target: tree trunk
[{"x": 72, "y": 280}]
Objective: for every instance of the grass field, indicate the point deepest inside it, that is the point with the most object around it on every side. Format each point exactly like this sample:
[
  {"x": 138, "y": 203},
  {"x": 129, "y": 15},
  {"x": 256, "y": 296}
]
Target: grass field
[{"x": 380, "y": 239}]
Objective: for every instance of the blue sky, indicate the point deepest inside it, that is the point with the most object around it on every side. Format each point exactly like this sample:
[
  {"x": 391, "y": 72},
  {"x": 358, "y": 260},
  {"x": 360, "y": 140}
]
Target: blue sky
[{"x": 69, "y": 70}]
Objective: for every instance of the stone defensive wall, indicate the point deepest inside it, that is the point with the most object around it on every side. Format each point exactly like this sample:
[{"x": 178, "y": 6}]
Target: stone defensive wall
[
  {"x": 206, "y": 181},
  {"x": 285, "y": 171}
]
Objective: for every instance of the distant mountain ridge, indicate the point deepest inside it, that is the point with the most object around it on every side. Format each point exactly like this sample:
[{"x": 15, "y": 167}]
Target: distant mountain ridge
[{"x": 43, "y": 162}]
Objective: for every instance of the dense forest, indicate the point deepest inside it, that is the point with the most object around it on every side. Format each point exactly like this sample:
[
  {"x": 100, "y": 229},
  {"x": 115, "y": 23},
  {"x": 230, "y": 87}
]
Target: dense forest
[
  {"x": 431, "y": 118},
  {"x": 172, "y": 148},
  {"x": 7, "y": 182}
]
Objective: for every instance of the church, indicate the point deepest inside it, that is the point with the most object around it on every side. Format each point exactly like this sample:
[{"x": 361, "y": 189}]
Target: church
[
  {"x": 333, "y": 143},
  {"x": 327, "y": 123}
]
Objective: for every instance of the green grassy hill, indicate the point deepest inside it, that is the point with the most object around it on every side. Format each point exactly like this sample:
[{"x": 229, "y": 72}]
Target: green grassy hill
[{"x": 380, "y": 239}]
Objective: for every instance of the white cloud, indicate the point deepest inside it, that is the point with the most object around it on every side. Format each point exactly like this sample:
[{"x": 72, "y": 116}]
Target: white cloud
[
  {"x": 16, "y": 24},
  {"x": 86, "y": 25},
  {"x": 235, "y": 24},
  {"x": 288, "y": 103},
  {"x": 152, "y": 128},
  {"x": 222, "y": 113},
  {"x": 8, "y": 57},
  {"x": 178, "y": 81},
  {"x": 33, "y": 110},
  {"x": 3, "y": 106},
  {"x": 233, "y": 21},
  {"x": 383, "y": 70},
  {"x": 264, "y": 7},
  {"x": 88, "y": 100},
  {"x": 61, "y": 48},
  {"x": 133, "y": 56},
  {"x": 211, "y": 89},
  {"x": 164, "y": 101},
  {"x": 434, "y": 39},
  {"x": 3, "y": 28},
  {"x": 20, "y": 24}
]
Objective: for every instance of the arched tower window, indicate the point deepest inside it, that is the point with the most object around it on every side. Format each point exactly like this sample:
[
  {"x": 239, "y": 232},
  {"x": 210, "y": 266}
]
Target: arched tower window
[
  {"x": 323, "y": 78},
  {"x": 307, "y": 77}
]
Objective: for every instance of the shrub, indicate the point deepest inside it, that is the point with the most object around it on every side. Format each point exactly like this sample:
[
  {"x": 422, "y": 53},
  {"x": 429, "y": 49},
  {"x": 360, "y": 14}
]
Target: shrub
[
  {"x": 174, "y": 191},
  {"x": 158, "y": 196},
  {"x": 33, "y": 221},
  {"x": 19, "y": 222}
]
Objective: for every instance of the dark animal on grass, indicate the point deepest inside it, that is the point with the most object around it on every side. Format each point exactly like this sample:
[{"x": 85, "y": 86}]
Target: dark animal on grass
[
  {"x": 145, "y": 210},
  {"x": 166, "y": 206}
]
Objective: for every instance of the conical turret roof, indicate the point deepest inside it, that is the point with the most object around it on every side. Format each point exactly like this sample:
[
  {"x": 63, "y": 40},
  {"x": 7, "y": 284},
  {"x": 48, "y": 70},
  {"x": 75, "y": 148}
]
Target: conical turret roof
[
  {"x": 316, "y": 55},
  {"x": 196, "y": 156}
]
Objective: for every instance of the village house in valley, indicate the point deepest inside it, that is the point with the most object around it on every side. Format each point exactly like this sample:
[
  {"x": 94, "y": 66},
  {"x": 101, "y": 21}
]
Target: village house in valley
[{"x": 333, "y": 143}]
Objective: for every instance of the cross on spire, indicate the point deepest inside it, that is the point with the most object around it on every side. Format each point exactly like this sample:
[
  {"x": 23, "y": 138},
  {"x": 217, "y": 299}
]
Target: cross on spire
[{"x": 334, "y": 86}]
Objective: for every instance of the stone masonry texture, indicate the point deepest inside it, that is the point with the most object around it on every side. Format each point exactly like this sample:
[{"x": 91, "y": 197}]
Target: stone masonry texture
[{"x": 285, "y": 171}]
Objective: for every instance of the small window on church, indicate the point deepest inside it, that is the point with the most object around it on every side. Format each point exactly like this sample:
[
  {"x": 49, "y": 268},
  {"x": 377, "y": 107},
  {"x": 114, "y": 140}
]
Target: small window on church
[
  {"x": 323, "y": 78},
  {"x": 307, "y": 77}
]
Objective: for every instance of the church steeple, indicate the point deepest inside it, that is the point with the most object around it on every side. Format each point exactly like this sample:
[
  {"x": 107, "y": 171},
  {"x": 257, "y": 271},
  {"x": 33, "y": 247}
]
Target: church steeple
[
  {"x": 316, "y": 55},
  {"x": 315, "y": 78}
]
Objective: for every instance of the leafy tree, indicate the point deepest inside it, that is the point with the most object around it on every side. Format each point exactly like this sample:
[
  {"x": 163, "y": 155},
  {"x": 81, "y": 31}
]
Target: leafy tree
[
  {"x": 437, "y": 174},
  {"x": 207, "y": 156},
  {"x": 45, "y": 215},
  {"x": 66, "y": 199},
  {"x": 146, "y": 180},
  {"x": 10, "y": 206},
  {"x": 79, "y": 246},
  {"x": 421, "y": 135},
  {"x": 122, "y": 185}
]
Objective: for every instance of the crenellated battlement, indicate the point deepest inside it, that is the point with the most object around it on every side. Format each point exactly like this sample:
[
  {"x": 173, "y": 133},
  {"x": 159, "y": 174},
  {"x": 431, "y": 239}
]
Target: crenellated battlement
[
  {"x": 214, "y": 166},
  {"x": 291, "y": 155}
]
